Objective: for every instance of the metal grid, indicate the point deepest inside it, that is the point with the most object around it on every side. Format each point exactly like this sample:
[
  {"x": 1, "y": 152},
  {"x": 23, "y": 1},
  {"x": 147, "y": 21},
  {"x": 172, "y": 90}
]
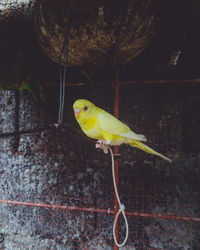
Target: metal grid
[
  {"x": 75, "y": 223},
  {"x": 159, "y": 216}
]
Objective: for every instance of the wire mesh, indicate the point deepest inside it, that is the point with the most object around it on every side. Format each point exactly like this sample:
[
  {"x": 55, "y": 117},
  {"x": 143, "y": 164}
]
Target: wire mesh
[
  {"x": 55, "y": 195},
  {"x": 62, "y": 222}
]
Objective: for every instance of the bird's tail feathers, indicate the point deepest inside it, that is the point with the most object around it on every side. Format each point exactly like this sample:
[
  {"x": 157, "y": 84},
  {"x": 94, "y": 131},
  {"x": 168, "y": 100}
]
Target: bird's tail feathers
[
  {"x": 141, "y": 137},
  {"x": 147, "y": 149}
]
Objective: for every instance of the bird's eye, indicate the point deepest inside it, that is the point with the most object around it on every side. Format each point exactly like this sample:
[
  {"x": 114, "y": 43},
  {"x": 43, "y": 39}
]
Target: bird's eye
[{"x": 85, "y": 108}]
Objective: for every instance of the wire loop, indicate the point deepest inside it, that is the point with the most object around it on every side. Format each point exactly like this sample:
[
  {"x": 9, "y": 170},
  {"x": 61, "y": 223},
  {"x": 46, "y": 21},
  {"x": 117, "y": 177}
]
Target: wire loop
[{"x": 121, "y": 206}]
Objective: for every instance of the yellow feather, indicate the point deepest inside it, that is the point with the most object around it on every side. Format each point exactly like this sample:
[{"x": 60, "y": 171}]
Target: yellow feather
[
  {"x": 147, "y": 149},
  {"x": 96, "y": 123}
]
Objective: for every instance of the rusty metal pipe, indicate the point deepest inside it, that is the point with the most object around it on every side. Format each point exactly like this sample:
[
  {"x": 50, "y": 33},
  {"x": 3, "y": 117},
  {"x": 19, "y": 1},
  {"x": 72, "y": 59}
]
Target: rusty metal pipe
[
  {"x": 99, "y": 210},
  {"x": 116, "y": 151},
  {"x": 148, "y": 82}
]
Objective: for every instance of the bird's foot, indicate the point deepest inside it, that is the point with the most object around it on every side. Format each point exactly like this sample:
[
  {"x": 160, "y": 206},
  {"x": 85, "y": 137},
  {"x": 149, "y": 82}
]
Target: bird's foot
[{"x": 102, "y": 145}]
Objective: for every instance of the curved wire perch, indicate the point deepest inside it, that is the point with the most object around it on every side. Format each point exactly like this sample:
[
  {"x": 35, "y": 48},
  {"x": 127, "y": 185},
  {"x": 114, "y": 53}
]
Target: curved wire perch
[{"x": 121, "y": 206}]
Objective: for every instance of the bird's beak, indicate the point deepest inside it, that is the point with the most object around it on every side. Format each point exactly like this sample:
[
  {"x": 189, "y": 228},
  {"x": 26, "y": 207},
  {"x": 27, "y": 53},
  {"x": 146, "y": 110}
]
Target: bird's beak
[{"x": 76, "y": 112}]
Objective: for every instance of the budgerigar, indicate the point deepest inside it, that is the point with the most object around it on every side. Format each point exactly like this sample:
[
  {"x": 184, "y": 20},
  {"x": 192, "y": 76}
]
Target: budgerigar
[{"x": 108, "y": 130}]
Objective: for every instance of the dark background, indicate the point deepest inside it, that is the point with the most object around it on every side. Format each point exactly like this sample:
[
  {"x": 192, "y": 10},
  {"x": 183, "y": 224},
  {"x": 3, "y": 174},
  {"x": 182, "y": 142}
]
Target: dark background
[{"x": 42, "y": 164}]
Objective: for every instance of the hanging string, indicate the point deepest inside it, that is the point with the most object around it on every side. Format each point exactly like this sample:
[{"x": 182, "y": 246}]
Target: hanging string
[
  {"x": 121, "y": 206},
  {"x": 63, "y": 79},
  {"x": 61, "y": 86}
]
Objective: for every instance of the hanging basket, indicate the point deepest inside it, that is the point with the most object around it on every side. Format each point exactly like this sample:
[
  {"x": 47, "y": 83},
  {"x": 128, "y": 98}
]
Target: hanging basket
[{"x": 100, "y": 33}]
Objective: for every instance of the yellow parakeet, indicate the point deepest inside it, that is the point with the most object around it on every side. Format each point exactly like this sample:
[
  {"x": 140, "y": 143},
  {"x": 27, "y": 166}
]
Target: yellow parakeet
[{"x": 98, "y": 124}]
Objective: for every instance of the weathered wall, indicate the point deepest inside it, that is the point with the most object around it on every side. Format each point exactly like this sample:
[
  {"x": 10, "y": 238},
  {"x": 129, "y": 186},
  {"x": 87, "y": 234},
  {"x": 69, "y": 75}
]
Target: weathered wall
[{"x": 46, "y": 165}]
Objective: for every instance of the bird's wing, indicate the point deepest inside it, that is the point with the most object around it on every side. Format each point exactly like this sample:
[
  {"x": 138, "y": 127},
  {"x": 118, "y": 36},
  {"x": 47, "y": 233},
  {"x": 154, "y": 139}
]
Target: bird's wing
[{"x": 112, "y": 125}]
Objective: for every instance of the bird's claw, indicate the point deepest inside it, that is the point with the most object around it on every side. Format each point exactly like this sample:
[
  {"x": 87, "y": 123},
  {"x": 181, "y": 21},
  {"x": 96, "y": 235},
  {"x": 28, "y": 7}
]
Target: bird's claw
[{"x": 102, "y": 145}]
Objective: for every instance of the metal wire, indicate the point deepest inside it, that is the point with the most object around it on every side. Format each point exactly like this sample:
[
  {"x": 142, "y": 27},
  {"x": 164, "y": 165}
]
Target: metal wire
[{"x": 63, "y": 79}]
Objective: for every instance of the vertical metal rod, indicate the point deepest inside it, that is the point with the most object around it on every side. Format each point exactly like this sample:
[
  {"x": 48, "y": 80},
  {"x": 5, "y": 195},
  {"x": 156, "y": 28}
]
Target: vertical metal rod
[{"x": 116, "y": 151}]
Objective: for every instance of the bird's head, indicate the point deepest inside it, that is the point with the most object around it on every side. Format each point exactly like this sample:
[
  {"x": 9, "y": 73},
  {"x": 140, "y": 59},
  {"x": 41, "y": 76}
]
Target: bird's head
[{"x": 83, "y": 108}]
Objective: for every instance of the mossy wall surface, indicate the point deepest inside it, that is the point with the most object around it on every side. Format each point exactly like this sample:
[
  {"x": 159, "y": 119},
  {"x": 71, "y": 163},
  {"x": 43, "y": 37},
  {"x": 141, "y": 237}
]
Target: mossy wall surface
[{"x": 42, "y": 164}]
